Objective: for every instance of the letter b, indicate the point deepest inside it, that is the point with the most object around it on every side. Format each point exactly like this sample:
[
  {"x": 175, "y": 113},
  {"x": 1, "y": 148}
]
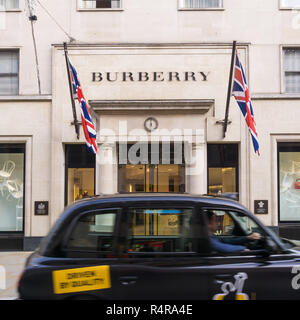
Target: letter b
[
  {"x": 97, "y": 76},
  {"x": 143, "y": 76}
]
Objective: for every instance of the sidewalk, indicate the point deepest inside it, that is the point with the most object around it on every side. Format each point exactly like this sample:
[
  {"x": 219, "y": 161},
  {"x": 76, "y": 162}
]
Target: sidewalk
[{"x": 13, "y": 262}]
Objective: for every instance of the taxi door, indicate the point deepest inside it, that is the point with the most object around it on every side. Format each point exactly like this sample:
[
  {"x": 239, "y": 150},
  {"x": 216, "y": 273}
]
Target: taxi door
[
  {"x": 176, "y": 278},
  {"x": 255, "y": 277},
  {"x": 254, "y": 273},
  {"x": 160, "y": 259}
]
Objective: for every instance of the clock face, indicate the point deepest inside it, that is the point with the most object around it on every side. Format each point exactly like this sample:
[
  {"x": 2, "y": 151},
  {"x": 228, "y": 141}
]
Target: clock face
[{"x": 150, "y": 124}]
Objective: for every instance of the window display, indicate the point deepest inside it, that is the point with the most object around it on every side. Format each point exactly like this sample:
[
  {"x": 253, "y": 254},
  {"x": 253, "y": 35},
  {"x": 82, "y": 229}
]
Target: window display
[
  {"x": 289, "y": 182},
  {"x": 11, "y": 187}
]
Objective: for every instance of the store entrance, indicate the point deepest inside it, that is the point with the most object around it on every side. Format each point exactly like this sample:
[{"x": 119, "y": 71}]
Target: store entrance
[{"x": 149, "y": 177}]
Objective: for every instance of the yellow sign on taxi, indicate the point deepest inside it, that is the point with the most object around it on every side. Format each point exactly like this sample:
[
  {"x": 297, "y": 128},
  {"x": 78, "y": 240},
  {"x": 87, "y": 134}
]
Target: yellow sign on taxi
[{"x": 81, "y": 279}]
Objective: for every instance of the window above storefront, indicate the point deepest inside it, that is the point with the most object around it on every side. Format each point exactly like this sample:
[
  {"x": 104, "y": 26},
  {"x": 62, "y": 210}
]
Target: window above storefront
[
  {"x": 291, "y": 70},
  {"x": 9, "y": 72},
  {"x": 98, "y": 4},
  {"x": 289, "y": 4},
  {"x": 200, "y": 4},
  {"x": 289, "y": 181},
  {"x": 12, "y": 163},
  {"x": 7, "y": 5}
]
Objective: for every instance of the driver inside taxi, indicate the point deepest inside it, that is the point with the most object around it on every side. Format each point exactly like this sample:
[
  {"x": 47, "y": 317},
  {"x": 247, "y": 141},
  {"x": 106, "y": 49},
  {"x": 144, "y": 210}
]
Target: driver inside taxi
[{"x": 230, "y": 245}]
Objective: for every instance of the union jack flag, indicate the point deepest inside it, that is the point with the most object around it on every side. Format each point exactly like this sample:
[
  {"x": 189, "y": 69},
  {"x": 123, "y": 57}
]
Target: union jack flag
[
  {"x": 241, "y": 93},
  {"x": 87, "y": 122}
]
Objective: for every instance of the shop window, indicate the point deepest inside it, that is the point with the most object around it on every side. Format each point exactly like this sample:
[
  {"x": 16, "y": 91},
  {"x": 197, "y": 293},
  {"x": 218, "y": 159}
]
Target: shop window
[
  {"x": 9, "y": 72},
  {"x": 12, "y": 187},
  {"x": 291, "y": 64},
  {"x": 290, "y": 3},
  {"x": 222, "y": 168},
  {"x": 9, "y": 4},
  {"x": 200, "y": 4},
  {"x": 289, "y": 181},
  {"x": 98, "y": 4},
  {"x": 80, "y": 173},
  {"x": 157, "y": 167}
]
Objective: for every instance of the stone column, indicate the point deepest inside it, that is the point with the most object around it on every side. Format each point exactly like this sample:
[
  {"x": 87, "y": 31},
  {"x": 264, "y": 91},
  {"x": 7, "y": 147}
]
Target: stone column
[
  {"x": 106, "y": 169},
  {"x": 196, "y": 169}
]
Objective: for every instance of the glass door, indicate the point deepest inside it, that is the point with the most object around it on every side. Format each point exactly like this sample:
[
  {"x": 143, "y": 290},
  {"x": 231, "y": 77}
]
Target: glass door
[{"x": 150, "y": 177}]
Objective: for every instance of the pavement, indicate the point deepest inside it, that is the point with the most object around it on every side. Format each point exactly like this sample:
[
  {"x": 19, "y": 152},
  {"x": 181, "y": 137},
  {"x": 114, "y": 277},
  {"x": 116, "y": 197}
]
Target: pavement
[{"x": 11, "y": 267}]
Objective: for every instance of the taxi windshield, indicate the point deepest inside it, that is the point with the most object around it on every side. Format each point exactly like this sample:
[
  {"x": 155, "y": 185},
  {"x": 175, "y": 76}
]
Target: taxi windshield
[
  {"x": 246, "y": 223},
  {"x": 249, "y": 226}
]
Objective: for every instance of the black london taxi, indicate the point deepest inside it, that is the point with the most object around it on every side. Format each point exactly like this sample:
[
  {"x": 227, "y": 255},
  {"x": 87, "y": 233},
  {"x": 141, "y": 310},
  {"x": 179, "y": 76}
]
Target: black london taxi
[{"x": 159, "y": 246}]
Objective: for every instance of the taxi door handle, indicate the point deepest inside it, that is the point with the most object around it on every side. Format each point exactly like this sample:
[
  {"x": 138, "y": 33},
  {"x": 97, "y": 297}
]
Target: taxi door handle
[
  {"x": 127, "y": 280},
  {"x": 223, "y": 276}
]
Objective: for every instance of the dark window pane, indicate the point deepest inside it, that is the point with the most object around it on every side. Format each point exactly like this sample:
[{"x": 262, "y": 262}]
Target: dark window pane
[
  {"x": 222, "y": 155},
  {"x": 77, "y": 156},
  {"x": 93, "y": 233},
  {"x": 103, "y": 4}
]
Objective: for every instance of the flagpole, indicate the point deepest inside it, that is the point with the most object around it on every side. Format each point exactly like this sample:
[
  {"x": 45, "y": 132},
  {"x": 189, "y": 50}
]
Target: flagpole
[
  {"x": 229, "y": 91},
  {"x": 76, "y": 123}
]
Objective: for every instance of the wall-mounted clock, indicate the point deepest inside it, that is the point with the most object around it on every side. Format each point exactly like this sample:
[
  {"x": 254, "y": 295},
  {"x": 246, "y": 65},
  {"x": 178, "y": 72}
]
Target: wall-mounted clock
[{"x": 150, "y": 124}]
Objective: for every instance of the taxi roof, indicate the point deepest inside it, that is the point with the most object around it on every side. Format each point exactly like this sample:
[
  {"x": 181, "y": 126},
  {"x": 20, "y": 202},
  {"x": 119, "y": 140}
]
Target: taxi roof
[{"x": 223, "y": 200}]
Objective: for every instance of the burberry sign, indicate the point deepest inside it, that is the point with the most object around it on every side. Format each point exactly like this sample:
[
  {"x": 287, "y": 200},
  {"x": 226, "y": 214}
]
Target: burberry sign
[{"x": 155, "y": 76}]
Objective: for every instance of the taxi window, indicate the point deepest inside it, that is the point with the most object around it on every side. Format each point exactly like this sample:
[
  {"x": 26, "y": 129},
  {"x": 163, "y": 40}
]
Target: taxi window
[
  {"x": 160, "y": 230},
  {"x": 246, "y": 223},
  {"x": 232, "y": 232},
  {"x": 93, "y": 232},
  {"x": 225, "y": 223},
  {"x": 231, "y": 223}
]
